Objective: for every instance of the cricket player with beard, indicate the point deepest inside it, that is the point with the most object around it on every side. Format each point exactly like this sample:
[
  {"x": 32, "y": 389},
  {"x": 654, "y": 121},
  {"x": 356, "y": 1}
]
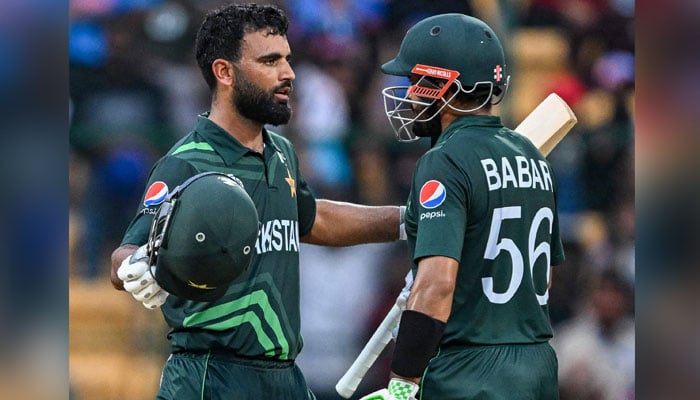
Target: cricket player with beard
[{"x": 244, "y": 345}]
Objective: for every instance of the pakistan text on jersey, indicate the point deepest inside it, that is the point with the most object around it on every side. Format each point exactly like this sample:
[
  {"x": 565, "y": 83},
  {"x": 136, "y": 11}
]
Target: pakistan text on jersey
[
  {"x": 521, "y": 173},
  {"x": 278, "y": 235}
]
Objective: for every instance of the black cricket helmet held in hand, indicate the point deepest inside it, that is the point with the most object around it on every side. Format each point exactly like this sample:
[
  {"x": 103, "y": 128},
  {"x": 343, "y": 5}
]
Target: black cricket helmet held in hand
[
  {"x": 443, "y": 50},
  {"x": 203, "y": 236}
]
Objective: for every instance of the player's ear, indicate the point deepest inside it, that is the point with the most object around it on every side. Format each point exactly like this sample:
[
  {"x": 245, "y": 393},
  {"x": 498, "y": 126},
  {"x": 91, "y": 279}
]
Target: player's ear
[{"x": 223, "y": 71}]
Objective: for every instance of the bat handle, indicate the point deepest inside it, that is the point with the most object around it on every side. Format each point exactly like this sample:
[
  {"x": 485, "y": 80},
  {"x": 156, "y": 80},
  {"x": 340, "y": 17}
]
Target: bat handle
[{"x": 349, "y": 382}]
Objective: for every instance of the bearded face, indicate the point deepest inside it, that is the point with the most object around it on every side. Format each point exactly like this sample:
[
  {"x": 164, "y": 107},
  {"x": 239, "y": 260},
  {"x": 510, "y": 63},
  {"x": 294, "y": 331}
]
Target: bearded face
[
  {"x": 257, "y": 104},
  {"x": 431, "y": 128}
]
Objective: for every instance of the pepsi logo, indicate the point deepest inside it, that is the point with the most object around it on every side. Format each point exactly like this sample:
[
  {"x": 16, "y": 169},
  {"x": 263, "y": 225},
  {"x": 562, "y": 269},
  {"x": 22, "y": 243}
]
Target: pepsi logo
[
  {"x": 155, "y": 194},
  {"x": 432, "y": 194}
]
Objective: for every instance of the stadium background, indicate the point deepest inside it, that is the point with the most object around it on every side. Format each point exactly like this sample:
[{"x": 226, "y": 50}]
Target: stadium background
[{"x": 134, "y": 89}]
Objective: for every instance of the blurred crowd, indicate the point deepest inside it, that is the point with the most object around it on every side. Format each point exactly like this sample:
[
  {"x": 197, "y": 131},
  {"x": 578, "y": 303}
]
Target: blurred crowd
[{"x": 135, "y": 89}]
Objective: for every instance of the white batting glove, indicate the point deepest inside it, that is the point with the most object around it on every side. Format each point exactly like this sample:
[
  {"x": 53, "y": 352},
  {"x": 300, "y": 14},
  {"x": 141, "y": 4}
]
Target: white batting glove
[
  {"x": 402, "y": 223},
  {"x": 402, "y": 299},
  {"x": 139, "y": 279},
  {"x": 406, "y": 291},
  {"x": 398, "y": 389}
]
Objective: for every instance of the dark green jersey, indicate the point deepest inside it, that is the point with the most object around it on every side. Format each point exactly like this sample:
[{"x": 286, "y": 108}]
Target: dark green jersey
[
  {"x": 485, "y": 196},
  {"x": 259, "y": 314}
]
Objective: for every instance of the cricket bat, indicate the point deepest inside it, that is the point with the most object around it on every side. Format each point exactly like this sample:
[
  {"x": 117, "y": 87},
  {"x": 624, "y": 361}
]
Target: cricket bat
[
  {"x": 545, "y": 126},
  {"x": 548, "y": 123}
]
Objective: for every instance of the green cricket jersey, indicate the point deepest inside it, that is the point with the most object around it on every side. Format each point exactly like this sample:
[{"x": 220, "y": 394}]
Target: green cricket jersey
[
  {"x": 258, "y": 317},
  {"x": 485, "y": 196}
]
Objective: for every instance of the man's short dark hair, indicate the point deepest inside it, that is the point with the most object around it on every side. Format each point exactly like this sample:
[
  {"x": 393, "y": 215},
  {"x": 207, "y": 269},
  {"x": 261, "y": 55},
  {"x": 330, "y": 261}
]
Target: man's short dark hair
[{"x": 221, "y": 33}]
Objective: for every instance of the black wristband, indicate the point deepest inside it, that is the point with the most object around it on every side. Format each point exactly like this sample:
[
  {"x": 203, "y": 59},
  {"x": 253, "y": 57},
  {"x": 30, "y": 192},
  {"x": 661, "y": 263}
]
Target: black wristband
[{"x": 418, "y": 338}]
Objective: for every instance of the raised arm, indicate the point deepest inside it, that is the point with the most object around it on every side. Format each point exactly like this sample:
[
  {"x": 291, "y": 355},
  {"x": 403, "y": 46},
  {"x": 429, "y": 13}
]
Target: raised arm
[{"x": 346, "y": 224}]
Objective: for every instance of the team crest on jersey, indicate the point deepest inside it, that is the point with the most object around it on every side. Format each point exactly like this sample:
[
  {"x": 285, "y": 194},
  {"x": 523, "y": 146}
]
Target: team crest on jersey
[
  {"x": 155, "y": 194},
  {"x": 432, "y": 194}
]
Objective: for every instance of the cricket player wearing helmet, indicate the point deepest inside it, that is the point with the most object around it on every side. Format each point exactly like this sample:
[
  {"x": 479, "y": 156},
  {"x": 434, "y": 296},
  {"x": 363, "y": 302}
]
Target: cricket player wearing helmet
[
  {"x": 240, "y": 343},
  {"x": 481, "y": 222}
]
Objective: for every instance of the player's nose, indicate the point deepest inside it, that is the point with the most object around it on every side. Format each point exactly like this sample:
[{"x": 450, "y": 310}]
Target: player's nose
[{"x": 287, "y": 72}]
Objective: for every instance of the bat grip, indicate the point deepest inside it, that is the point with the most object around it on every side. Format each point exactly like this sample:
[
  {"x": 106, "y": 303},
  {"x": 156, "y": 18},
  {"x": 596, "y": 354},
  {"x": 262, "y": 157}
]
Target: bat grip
[{"x": 349, "y": 382}]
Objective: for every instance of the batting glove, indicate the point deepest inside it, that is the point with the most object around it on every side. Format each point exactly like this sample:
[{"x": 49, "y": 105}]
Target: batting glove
[
  {"x": 139, "y": 279},
  {"x": 402, "y": 299},
  {"x": 398, "y": 389}
]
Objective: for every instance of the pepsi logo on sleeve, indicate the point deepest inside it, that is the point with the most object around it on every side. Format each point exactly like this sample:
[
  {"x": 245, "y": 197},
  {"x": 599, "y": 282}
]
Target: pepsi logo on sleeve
[
  {"x": 155, "y": 194},
  {"x": 432, "y": 194}
]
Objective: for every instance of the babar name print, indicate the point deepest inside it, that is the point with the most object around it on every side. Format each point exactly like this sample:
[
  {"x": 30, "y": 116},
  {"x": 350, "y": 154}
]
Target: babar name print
[{"x": 523, "y": 173}]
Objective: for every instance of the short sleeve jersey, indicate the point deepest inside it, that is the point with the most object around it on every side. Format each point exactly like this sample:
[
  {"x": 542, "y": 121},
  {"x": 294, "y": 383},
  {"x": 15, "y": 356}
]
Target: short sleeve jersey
[
  {"x": 258, "y": 317},
  {"x": 485, "y": 196}
]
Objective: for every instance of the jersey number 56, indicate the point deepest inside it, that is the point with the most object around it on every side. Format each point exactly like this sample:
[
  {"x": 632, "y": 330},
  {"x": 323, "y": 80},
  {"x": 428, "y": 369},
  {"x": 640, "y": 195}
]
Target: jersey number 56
[{"x": 494, "y": 247}]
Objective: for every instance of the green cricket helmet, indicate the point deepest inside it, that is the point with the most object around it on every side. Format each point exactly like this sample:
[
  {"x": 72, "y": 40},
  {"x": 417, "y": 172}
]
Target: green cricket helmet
[
  {"x": 442, "y": 50},
  {"x": 203, "y": 236}
]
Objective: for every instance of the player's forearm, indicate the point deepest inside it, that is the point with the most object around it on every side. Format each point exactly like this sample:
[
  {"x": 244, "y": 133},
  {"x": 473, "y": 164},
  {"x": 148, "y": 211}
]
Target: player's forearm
[
  {"x": 118, "y": 256},
  {"x": 425, "y": 318},
  {"x": 433, "y": 287},
  {"x": 346, "y": 224}
]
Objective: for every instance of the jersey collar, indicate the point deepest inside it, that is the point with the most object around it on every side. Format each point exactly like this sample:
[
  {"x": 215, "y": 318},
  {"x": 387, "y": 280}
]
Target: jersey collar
[
  {"x": 230, "y": 149},
  {"x": 466, "y": 121}
]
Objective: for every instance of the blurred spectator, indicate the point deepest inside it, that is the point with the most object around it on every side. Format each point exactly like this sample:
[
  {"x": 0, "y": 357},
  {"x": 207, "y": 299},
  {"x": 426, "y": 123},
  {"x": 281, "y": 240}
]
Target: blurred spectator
[
  {"x": 567, "y": 291},
  {"x": 133, "y": 79},
  {"x": 336, "y": 23},
  {"x": 322, "y": 123},
  {"x": 596, "y": 348},
  {"x": 115, "y": 184},
  {"x": 337, "y": 284},
  {"x": 607, "y": 153}
]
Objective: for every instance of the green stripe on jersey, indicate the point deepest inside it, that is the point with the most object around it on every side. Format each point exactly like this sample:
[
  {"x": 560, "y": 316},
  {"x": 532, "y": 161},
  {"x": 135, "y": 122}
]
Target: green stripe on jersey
[
  {"x": 193, "y": 146},
  {"x": 252, "y": 318},
  {"x": 205, "y": 319}
]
